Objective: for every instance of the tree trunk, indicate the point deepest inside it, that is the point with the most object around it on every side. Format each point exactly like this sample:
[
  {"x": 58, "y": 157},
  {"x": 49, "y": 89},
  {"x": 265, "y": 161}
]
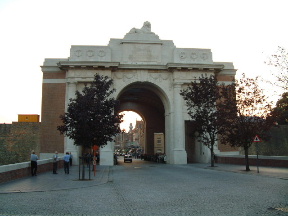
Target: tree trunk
[
  {"x": 212, "y": 156},
  {"x": 246, "y": 158}
]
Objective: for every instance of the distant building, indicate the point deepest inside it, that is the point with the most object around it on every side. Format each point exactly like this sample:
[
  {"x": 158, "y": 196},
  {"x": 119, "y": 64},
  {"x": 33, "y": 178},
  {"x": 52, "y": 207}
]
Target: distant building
[
  {"x": 28, "y": 118},
  {"x": 139, "y": 134},
  {"x": 121, "y": 140}
]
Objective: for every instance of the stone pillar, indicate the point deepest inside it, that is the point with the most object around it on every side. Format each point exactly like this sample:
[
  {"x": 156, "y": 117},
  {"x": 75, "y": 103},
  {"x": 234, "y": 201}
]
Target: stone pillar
[
  {"x": 169, "y": 137},
  {"x": 69, "y": 143},
  {"x": 106, "y": 154},
  {"x": 179, "y": 153}
]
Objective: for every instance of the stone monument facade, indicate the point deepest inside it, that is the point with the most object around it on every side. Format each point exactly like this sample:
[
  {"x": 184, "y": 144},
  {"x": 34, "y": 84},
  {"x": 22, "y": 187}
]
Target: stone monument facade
[{"x": 148, "y": 75}]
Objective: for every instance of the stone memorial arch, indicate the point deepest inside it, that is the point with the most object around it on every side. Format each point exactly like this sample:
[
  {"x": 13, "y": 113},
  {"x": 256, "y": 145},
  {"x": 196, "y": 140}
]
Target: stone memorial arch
[{"x": 148, "y": 75}]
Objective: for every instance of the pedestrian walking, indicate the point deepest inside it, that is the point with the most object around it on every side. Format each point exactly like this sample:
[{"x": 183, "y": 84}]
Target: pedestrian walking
[
  {"x": 34, "y": 159},
  {"x": 66, "y": 162},
  {"x": 55, "y": 162}
]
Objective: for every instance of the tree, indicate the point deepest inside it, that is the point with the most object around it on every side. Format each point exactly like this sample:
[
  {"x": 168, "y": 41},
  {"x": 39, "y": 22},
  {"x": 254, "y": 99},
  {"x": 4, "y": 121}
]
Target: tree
[
  {"x": 201, "y": 98},
  {"x": 280, "y": 112},
  {"x": 244, "y": 112},
  {"x": 90, "y": 119},
  {"x": 280, "y": 61}
]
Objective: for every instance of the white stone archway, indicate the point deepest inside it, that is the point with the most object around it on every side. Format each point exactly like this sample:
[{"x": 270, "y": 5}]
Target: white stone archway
[{"x": 140, "y": 58}]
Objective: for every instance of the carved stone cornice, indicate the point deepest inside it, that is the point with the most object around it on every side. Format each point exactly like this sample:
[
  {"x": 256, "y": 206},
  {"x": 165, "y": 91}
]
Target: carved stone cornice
[
  {"x": 65, "y": 65},
  {"x": 201, "y": 67}
]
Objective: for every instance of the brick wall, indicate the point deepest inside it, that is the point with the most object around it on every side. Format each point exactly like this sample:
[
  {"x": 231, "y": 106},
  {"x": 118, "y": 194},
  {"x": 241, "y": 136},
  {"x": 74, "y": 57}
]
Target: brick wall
[
  {"x": 5, "y": 130},
  {"x": 23, "y": 170},
  {"x": 17, "y": 140},
  {"x": 240, "y": 160},
  {"x": 227, "y": 148},
  {"x": 53, "y": 105}
]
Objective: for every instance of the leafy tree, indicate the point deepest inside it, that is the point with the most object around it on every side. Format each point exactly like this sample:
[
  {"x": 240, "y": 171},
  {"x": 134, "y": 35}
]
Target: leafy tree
[
  {"x": 280, "y": 112},
  {"x": 244, "y": 112},
  {"x": 201, "y": 98},
  {"x": 280, "y": 61},
  {"x": 90, "y": 119}
]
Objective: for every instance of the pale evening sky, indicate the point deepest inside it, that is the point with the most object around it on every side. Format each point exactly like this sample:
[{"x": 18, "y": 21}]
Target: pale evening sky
[{"x": 240, "y": 31}]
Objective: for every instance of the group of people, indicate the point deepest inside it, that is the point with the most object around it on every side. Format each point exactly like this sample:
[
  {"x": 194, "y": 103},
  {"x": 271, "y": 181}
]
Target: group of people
[{"x": 67, "y": 162}]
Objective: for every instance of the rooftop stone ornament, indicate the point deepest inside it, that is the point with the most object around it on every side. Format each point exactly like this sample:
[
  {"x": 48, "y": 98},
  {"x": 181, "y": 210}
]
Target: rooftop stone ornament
[
  {"x": 146, "y": 28},
  {"x": 142, "y": 34}
]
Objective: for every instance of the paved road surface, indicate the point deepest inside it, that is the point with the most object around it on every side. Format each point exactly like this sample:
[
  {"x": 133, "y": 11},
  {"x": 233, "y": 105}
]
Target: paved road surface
[{"x": 143, "y": 188}]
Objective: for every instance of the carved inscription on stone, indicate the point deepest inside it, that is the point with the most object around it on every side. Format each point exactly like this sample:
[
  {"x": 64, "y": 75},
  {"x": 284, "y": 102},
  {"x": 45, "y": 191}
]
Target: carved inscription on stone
[{"x": 141, "y": 53}]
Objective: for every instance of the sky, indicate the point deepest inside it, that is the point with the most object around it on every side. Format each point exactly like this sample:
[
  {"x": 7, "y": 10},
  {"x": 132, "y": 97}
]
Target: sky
[{"x": 244, "y": 32}]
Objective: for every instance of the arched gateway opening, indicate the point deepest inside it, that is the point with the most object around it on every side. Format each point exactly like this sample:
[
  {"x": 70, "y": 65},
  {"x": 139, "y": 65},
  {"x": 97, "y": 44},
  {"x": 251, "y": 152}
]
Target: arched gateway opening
[
  {"x": 141, "y": 98},
  {"x": 148, "y": 74}
]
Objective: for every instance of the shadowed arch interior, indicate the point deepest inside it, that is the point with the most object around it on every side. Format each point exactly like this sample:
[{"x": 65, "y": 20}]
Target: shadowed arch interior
[{"x": 142, "y": 99}]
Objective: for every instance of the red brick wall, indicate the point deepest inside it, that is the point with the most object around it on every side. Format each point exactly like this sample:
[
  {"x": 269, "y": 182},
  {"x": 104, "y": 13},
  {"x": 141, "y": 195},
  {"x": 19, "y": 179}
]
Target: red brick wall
[
  {"x": 58, "y": 75},
  {"x": 24, "y": 172},
  {"x": 225, "y": 78},
  {"x": 53, "y": 105},
  {"x": 252, "y": 161},
  {"x": 227, "y": 148}
]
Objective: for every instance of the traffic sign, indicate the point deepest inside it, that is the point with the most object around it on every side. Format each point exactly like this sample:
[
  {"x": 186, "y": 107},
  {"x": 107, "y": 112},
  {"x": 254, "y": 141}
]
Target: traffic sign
[{"x": 256, "y": 139}]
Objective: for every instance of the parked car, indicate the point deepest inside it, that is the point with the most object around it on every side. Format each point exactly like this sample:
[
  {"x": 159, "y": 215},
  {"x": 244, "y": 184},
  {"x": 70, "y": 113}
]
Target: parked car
[{"x": 127, "y": 158}]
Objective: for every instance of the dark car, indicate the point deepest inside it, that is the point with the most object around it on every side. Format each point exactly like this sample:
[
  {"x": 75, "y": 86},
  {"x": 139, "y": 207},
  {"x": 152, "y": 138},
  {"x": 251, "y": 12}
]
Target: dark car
[{"x": 127, "y": 158}]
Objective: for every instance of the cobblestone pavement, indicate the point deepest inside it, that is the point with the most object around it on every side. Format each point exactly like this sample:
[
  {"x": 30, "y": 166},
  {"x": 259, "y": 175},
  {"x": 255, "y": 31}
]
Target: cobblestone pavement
[{"x": 143, "y": 188}]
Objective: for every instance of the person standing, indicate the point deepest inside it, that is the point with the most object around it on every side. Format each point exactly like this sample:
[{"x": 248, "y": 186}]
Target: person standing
[
  {"x": 34, "y": 159},
  {"x": 66, "y": 162},
  {"x": 55, "y": 162}
]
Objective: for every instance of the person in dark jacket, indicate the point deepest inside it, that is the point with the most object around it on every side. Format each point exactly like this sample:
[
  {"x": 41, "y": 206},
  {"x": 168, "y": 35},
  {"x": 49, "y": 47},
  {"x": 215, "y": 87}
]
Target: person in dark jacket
[
  {"x": 34, "y": 159},
  {"x": 66, "y": 162}
]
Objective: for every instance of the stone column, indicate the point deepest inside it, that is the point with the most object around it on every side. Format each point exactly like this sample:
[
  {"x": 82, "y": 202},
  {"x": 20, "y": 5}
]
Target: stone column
[
  {"x": 180, "y": 155},
  {"x": 106, "y": 154},
  {"x": 169, "y": 148},
  {"x": 69, "y": 143}
]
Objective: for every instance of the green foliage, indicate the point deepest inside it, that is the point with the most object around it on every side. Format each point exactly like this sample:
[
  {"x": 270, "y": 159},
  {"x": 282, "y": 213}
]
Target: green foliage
[
  {"x": 280, "y": 112},
  {"x": 201, "y": 98},
  {"x": 90, "y": 118}
]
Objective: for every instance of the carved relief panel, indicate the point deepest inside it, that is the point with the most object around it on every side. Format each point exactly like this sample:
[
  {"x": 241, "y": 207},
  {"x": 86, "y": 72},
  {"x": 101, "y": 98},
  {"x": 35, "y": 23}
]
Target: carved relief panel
[
  {"x": 90, "y": 53},
  {"x": 193, "y": 56},
  {"x": 141, "y": 53}
]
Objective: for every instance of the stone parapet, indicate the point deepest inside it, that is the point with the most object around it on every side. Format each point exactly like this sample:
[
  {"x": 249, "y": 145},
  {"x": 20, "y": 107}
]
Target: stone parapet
[{"x": 20, "y": 170}]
